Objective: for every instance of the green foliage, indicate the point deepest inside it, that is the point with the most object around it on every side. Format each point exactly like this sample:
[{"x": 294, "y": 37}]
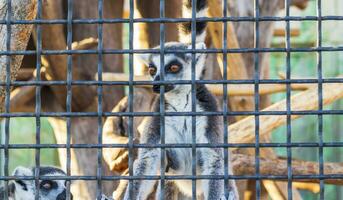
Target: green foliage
[
  {"x": 305, "y": 129},
  {"x": 23, "y": 131}
]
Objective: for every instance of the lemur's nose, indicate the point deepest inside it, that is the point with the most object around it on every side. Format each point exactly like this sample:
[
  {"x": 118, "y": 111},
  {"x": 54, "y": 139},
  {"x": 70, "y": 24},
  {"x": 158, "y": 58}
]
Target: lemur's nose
[
  {"x": 157, "y": 78},
  {"x": 156, "y": 87}
]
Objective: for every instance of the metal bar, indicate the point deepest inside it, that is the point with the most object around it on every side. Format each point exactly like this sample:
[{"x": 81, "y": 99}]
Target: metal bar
[
  {"x": 257, "y": 97},
  {"x": 99, "y": 95},
  {"x": 8, "y": 93},
  {"x": 156, "y": 51},
  {"x": 171, "y": 145},
  {"x": 288, "y": 104},
  {"x": 193, "y": 92},
  {"x": 225, "y": 104},
  {"x": 69, "y": 93},
  {"x": 320, "y": 97},
  {"x": 162, "y": 101},
  {"x": 130, "y": 99},
  {"x": 38, "y": 99},
  {"x": 177, "y": 20},
  {"x": 178, "y": 177}
]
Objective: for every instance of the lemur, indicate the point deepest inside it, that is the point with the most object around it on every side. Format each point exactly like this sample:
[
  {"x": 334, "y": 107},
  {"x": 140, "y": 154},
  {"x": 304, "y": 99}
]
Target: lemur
[
  {"x": 48, "y": 189},
  {"x": 178, "y": 129}
]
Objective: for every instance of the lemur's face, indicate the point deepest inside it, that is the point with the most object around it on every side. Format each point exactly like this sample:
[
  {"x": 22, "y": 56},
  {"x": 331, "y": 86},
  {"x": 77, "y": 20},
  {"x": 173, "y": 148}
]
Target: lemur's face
[
  {"x": 177, "y": 66},
  {"x": 48, "y": 189}
]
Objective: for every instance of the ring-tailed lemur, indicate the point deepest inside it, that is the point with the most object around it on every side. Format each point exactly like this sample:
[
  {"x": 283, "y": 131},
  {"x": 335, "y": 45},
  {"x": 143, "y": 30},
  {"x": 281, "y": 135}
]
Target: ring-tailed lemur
[
  {"x": 178, "y": 129},
  {"x": 25, "y": 189}
]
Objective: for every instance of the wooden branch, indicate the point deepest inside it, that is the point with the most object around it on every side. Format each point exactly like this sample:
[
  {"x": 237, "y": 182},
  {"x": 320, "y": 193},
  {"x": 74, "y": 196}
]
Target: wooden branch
[
  {"x": 244, "y": 130},
  {"x": 273, "y": 190},
  {"x": 85, "y": 44},
  {"x": 57, "y": 64},
  {"x": 236, "y": 68},
  {"x": 25, "y": 74},
  {"x": 245, "y": 165},
  {"x": 312, "y": 187},
  {"x": 20, "y": 34},
  {"x": 301, "y": 4},
  {"x": 20, "y": 97},
  {"x": 279, "y": 32},
  {"x": 233, "y": 90}
]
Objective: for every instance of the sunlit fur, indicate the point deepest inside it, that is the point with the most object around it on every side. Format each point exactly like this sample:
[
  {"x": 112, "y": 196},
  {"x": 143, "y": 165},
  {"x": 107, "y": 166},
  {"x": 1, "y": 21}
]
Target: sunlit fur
[{"x": 26, "y": 189}]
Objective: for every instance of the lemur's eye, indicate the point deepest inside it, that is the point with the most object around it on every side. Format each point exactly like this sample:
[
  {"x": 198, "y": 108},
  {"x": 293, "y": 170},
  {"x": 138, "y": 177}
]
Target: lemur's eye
[
  {"x": 47, "y": 185},
  {"x": 152, "y": 70},
  {"x": 174, "y": 68}
]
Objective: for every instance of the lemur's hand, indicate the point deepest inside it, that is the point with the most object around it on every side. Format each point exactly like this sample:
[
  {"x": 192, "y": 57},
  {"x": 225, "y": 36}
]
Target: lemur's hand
[
  {"x": 117, "y": 158},
  {"x": 114, "y": 133},
  {"x": 103, "y": 197}
]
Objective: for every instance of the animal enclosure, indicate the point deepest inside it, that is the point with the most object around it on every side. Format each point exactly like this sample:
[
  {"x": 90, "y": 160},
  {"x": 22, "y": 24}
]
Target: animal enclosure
[{"x": 71, "y": 69}]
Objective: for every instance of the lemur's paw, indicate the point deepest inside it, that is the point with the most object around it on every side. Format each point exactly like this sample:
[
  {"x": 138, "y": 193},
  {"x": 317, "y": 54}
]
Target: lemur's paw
[{"x": 103, "y": 197}]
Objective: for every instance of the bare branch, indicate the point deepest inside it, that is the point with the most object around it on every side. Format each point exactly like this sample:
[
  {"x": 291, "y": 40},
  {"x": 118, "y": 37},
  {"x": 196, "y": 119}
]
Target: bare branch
[
  {"x": 244, "y": 130},
  {"x": 245, "y": 165}
]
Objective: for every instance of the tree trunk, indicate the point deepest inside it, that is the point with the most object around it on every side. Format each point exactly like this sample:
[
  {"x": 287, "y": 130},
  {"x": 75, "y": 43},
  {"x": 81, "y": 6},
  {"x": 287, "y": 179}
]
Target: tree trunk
[
  {"x": 20, "y": 34},
  {"x": 84, "y": 98}
]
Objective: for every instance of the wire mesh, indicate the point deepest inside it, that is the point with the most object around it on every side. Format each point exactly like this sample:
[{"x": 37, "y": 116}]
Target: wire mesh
[{"x": 131, "y": 83}]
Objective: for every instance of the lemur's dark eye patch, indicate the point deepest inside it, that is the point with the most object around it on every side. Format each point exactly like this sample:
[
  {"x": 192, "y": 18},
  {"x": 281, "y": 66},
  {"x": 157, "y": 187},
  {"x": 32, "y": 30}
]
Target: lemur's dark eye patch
[
  {"x": 152, "y": 70},
  {"x": 22, "y": 184},
  {"x": 47, "y": 185},
  {"x": 174, "y": 66}
]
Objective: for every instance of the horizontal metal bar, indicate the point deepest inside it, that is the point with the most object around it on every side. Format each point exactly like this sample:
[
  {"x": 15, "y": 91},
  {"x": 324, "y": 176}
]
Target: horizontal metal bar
[
  {"x": 176, "y": 20},
  {"x": 178, "y": 82},
  {"x": 157, "y": 51},
  {"x": 179, "y": 177},
  {"x": 145, "y": 114},
  {"x": 178, "y": 145}
]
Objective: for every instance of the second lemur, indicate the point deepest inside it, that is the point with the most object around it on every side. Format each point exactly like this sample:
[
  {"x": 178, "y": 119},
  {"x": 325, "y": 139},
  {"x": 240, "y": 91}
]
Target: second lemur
[{"x": 178, "y": 129}]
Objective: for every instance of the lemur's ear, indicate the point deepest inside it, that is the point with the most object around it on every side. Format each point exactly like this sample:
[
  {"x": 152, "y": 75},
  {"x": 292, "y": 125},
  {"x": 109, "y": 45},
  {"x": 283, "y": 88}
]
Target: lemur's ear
[
  {"x": 144, "y": 58},
  {"x": 198, "y": 45},
  {"x": 22, "y": 171}
]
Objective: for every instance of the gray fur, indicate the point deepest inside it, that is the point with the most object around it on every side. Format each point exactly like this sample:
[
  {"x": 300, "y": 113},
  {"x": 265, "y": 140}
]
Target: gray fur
[{"x": 178, "y": 129}]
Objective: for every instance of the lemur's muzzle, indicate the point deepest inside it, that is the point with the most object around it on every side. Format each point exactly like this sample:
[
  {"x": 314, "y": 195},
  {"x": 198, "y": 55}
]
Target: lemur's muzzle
[
  {"x": 157, "y": 88},
  {"x": 63, "y": 196}
]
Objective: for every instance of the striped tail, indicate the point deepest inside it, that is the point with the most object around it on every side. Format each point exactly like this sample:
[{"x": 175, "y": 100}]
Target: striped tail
[{"x": 186, "y": 28}]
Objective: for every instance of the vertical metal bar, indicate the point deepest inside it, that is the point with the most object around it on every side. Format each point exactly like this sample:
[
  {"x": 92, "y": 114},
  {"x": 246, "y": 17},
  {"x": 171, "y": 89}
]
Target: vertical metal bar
[
  {"x": 288, "y": 103},
  {"x": 162, "y": 100},
  {"x": 38, "y": 99},
  {"x": 193, "y": 91},
  {"x": 8, "y": 93},
  {"x": 257, "y": 99},
  {"x": 99, "y": 94},
  {"x": 225, "y": 102},
  {"x": 130, "y": 100},
  {"x": 2, "y": 155},
  {"x": 69, "y": 90},
  {"x": 320, "y": 96}
]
